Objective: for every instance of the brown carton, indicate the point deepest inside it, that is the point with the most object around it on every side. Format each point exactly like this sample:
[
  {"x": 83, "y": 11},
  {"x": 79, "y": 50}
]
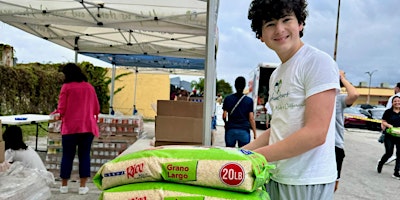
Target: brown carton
[
  {"x": 2, "y": 146},
  {"x": 179, "y": 129},
  {"x": 162, "y": 143},
  {"x": 179, "y": 108},
  {"x": 1, "y": 133}
]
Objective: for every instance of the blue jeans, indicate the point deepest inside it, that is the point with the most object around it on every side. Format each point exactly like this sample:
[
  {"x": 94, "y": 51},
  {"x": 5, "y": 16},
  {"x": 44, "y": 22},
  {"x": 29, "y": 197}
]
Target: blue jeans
[
  {"x": 239, "y": 135},
  {"x": 69, "y": 143}
]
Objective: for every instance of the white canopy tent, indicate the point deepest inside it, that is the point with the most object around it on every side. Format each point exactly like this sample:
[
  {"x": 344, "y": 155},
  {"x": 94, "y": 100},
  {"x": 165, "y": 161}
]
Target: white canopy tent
[{"x": 164, "y": 34}]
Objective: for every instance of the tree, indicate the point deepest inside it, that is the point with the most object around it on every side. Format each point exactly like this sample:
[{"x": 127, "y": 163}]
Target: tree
[
  {"x": 222, "y": 87},
  {"x": 97, "y": 76}
]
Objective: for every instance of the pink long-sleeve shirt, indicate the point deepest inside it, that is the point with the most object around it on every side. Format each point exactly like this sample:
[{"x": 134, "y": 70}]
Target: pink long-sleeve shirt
[{"x": 79, "y": 108}]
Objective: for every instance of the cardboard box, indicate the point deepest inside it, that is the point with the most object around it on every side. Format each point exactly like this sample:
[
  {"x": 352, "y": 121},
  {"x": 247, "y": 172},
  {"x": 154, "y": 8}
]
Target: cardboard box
[
  {"x": 180, "y": 108},
  {"x": 163, "y": 143},
  {"x": 2, "y": 146},
  {"x": 179, "y": 129}
]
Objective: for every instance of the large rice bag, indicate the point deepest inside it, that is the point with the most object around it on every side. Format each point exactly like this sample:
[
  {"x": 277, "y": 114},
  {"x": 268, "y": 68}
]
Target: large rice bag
[
  {"x": 223, "y": 168},
  {"x": 395, "y": 131},
  {"x": 173, "y": 191}
]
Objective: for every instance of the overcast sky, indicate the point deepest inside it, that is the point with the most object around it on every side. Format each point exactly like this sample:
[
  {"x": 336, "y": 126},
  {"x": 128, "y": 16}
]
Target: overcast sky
[{"x": 369, "y": 39}]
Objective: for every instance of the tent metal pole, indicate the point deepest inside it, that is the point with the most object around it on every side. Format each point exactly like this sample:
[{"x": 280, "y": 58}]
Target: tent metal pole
[
  {"x": 210, "y": 69},
  {"x": 134, "y": 94},
  {"x": 111, "y": 110}
]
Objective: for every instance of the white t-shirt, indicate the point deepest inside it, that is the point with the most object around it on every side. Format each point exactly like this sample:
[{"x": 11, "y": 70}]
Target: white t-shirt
[
  {"x": 269, "y": 111},
  {"x": 308, "y": 72},
  {"x": 389, "y": 103},
  {"x": 29, "y": 158}
]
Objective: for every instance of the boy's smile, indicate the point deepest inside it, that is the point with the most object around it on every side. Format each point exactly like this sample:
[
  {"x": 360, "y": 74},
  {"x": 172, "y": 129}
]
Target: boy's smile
[{"x": 282, "y": 36}]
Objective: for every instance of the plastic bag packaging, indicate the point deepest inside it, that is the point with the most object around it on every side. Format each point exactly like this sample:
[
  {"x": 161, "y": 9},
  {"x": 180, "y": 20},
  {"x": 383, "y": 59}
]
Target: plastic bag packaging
[
  {"x": 19, "y": 182},
  {"x": 381, "y": 138},
  {"x": 395, "y": 131},
  {"x": 55, "y": 123}
]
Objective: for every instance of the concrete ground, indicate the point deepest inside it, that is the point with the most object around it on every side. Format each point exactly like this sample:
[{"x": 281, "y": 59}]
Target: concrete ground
[{"x": 359, "y": 177}]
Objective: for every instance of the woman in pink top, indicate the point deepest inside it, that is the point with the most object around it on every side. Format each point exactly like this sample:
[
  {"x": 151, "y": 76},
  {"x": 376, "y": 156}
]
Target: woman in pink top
[{"x": 79, "y": 108}]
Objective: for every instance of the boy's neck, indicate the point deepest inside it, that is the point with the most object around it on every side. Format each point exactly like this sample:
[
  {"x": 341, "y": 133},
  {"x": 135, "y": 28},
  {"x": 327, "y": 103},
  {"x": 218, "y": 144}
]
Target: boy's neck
[{"x": 285, "y": 56}]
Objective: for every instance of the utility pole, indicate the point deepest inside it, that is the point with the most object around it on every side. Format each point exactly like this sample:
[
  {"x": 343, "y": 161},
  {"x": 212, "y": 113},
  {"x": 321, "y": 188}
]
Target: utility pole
[
  {"x": 337, "y": 31},
  {"x": 369, "y": 85}
]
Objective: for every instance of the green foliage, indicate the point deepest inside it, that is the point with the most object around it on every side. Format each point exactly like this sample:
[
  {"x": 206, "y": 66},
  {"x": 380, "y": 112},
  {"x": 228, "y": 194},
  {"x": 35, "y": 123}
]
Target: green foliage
[
  {"x": 222, "y": 87},
  {"x": 34, "y": 87},
  {"x": 29, "y": 89},
  {"x": 97, "y": 76}
]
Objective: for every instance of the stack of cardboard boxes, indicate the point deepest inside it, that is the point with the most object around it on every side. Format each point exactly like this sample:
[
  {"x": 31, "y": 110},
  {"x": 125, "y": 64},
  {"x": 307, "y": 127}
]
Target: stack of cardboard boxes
[
  {"x": 179, "y": 123},
  {"x": 2, "y": 145}
]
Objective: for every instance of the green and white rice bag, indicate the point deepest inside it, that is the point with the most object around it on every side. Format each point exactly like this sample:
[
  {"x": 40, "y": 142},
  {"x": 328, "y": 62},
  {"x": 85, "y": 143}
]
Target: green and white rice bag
[
  {"x": 223, "y": 168},
  {"x": 174, "y": 191}
]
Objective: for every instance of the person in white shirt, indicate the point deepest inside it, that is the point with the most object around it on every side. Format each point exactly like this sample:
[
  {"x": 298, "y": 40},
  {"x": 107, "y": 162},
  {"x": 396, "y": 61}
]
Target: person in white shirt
[
  {"x": 17, "y": 150},
  {"x": 396, "y": 93},
  {"x": 302, "y": 94}
]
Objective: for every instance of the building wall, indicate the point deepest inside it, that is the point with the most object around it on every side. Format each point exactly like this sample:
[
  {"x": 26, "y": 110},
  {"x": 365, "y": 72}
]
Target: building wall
[
  {"x": 150, "y": 88},
  {"x": 377, "y": 95},
  {"x": 6, "y": 55}
]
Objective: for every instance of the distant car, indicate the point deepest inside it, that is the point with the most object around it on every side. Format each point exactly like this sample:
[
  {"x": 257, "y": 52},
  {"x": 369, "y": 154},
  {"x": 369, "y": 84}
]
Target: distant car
[
  {"x": 354, "y": 117},
  {"x": 375, "y": 114},
  {"x": 364, "y": 106}
]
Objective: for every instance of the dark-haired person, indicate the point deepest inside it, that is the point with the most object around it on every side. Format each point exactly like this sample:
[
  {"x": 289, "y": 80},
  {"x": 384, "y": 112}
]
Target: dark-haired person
[
  {"x": 238, "y": 116},
  {"x": 79, "y": 108},
  {"x": 342, "y": 101},
  {"x": 391, "y": 118},
  {"x": 302, "y": 94},
  {"x": 17, "y": 150},
  {"x": 396, "y": 93},
  {"x": 389, "y": 106}
]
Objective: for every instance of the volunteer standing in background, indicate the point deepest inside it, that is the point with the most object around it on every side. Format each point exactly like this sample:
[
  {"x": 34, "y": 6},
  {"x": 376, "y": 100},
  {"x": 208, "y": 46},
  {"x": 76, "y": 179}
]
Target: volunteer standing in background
[
  {"x": 342, "y": 101},
  {"x": 302, "y": 94},
  {"x": 390, "y": 119},
  {"x": 389, "y": 106},
  {"x": 238, "y": 116},
  {"x": 79, "y": 108}
]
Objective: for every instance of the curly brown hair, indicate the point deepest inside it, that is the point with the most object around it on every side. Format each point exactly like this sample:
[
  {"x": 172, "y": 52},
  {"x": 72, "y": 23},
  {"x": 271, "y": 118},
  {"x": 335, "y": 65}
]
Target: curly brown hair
[{"x": 262, "y": 11}]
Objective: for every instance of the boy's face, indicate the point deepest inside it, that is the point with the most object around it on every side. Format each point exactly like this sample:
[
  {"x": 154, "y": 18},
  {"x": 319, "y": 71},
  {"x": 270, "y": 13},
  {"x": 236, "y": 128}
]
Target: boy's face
[{"x": 282, "y": 35}]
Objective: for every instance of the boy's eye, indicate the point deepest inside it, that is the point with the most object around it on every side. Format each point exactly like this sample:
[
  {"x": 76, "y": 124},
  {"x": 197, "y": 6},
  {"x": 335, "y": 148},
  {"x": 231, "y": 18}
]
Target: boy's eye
[{"x": 269, "y": 24}]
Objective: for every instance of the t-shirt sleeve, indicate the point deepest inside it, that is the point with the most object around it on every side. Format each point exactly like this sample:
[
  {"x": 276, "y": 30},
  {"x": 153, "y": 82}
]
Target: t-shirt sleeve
[
  {"x": 321, "y": 74},
  {"x": 386, "y": 115}
]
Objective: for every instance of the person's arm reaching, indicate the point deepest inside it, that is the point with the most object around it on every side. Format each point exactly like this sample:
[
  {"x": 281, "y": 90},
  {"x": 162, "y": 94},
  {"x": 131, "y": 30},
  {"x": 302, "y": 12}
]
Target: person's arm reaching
[
  {"x": 311, "y": 135},
  {"x": 352, "y": 93},
  {"x": 253, "y": 124}
]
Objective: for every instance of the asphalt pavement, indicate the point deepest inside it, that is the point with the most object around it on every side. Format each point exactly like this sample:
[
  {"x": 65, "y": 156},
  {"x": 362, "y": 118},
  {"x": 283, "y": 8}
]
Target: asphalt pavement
[{"x": 359, "y": 181}]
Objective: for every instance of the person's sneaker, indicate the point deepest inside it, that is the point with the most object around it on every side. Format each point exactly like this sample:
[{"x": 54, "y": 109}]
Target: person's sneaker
[
  {"x": 83, "y": 190},
  {"x": 379, "y": 166},
  {"x": 396, "y": 176},
  {"x": 64, "y": 189}
]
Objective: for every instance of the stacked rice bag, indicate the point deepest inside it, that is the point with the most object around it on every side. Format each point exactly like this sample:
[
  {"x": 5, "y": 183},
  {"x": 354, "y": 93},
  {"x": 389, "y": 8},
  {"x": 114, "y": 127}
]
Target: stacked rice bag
[{"x": 229, "y": 171}]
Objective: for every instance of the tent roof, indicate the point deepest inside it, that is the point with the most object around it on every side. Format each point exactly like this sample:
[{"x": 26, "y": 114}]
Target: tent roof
[{"x": 142, "y": 33}]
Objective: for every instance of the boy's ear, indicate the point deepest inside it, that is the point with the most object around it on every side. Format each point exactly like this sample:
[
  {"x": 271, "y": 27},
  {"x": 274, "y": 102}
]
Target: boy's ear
[{"x": 261, "y": 40}]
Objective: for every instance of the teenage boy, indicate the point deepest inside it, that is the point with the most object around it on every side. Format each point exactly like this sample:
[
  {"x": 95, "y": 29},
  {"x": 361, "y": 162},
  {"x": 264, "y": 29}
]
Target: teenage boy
[{"x": 302, "y": 93}]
